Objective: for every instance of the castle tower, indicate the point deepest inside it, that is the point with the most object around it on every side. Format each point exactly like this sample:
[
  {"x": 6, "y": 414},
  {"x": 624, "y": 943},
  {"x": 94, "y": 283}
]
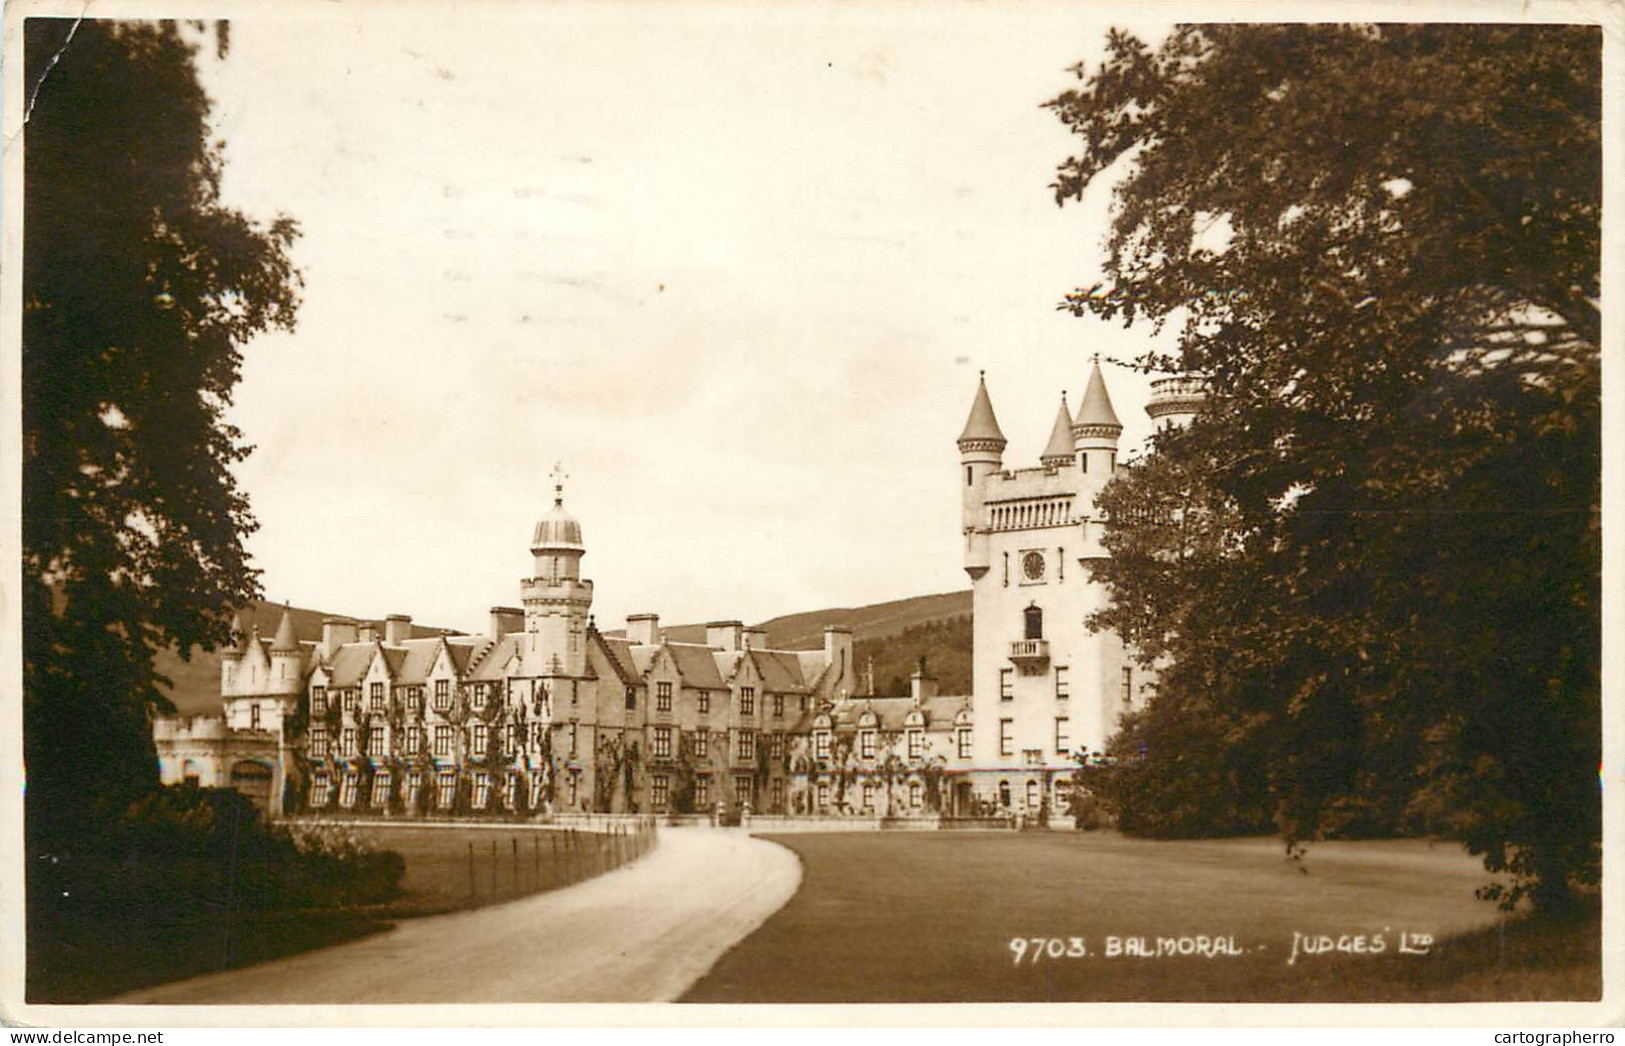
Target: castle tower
[
  {"x": 556, "y": 599},
  {"x": 232, "y": 655},
  {"x": 1043, "y": 685},
  {"x": 1058, "y": 453},
  {"x": 1175, "y": 401},
  {"x": 287, "y": 662},
  {"x": 981, "y": 454},
  {"x": 1096, "y": 428}
]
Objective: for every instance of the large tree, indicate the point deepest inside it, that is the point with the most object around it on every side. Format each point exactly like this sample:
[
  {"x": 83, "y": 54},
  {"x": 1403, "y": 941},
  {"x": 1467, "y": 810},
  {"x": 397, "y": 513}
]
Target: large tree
[
  {"x": 139, "y": 289},
  {"x": 1375, "y": 558}
]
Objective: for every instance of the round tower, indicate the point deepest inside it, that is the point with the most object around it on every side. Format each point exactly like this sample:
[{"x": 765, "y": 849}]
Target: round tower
[
  {"x": 1096, "y": 428},
  {"x": 1175, "y": 401},
  {"x": 232, "y": 656},
  {"x": 1058, "y": 452},
  {"x": 287, "y": 660},
  {"x": 981, "y": 454},
  {"x": 556, "y": 599}
]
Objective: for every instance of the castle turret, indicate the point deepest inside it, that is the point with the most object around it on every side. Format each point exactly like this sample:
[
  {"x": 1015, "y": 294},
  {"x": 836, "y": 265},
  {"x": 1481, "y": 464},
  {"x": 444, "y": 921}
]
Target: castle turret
[
  {"x": 1096, "y": 428},
  {"x": 287, "y": 660},
  {"x": 556, "y": 599},
  {"x": 981, "y": 453},
  {"x": 1058, "y": 453},
  {"x": 1175, "y": 401},
  {"x": 232, "y": 655}
]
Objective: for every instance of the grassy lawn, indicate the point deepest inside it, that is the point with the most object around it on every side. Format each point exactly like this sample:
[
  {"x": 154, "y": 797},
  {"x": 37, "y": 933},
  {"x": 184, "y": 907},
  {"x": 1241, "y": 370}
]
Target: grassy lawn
[
  {"x": 78, "y": 954},
  {"x": 930, "y": 917}
]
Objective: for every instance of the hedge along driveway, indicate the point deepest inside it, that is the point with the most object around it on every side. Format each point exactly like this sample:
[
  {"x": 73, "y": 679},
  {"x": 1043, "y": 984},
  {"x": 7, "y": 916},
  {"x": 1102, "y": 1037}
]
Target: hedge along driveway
[{"x": 922, "y": 917}]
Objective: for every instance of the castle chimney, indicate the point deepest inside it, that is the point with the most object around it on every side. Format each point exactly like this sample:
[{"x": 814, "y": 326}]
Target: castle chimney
[
  {"x": 397, "y": 629},
  {"x": 725, "y": 635},
  {"x": 336, "y": 631},
  {"x": 505, "y": 621},
  {"x": 921, "y": 686},
  {"x": 755, "y": 638},
  {"x": 838, "y": 656},
  {"x": 643, "y": 629},
  {"x": 369, "y": 632}
]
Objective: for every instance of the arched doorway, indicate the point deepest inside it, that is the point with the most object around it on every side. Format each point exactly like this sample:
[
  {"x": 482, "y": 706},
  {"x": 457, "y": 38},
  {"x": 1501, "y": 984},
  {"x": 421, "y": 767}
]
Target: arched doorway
[{"x": 253, "y": 780}]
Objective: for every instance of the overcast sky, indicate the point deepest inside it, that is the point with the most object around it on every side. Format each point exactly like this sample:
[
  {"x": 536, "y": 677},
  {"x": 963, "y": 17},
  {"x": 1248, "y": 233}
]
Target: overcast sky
[{"x": 736, "y": 267}]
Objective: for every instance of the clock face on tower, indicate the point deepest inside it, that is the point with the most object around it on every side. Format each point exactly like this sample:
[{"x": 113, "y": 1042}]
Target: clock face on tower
[{"x": 1032, "y": 566}]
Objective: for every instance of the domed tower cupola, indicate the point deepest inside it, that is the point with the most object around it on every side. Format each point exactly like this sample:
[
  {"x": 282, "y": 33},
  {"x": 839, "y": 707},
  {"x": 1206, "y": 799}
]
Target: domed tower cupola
[
  {"x": 1096, "y": 428},
  {"x": 556, "y": 541},
  {"x": 556, "y": 599}
]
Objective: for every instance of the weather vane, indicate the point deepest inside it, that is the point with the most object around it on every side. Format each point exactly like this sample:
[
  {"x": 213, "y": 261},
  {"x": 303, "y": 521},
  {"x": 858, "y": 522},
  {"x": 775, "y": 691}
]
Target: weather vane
[{"x": 559, "y": 476}]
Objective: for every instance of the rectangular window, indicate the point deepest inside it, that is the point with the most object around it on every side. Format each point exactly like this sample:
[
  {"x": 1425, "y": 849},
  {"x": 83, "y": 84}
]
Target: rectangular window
[
  {"x": 380, "y": 788},
  {"x": 916, "y": 794},
  {"x": 347, "y": 743},
  {"x": 446, "y": 789},
  {"x": 1062, "y": 742},
  {"x": 868, "y": 795},
  {"x": 318, "y": 700},
  {"x": 321, "y": 790},
  {"x": 480, "y": 739},
  {"x": 318, "y": 741},
  {"x": 1006, "y": 684},
  {"x": 352, "y": 698},
  {"x": 964, "y": 742},
  {"x": 702, "y": 791},
  {"x": 375, "y": 697},
  {"x": 916, "y": 744},
  {"x": 659, "y": 788},
  {"x": 821, "y": 744},
  {"x": 254, "y": 716},
  {"x": 1128, "y": 685},
  {"x": 775, "y": 746},
  {"x": 703, "y": 703},
  {"x": 823, "y": 795},
  {"x": 1006, "y": 742},
  {"x": 778, "y": 706},
  {"x": 747, "y": 700},
  {"x": 442, "y": 695},
  {"x": 348, "y": 790},
  {"x": 631, "y": 698},
  {"x": 510, "y": 790},
  {"x": 482, "y": 789},
  {"x": 480, "y": 694},
  {"x": 414, "y": 740},
  {"x": 702, "y": 743},
  {"x": 866, "y": 744},
  {"x": 375, "y": 742},
  {"x": 574, "y": 789},
  {"x": 414, "y": 700},
  {"x": 662, "y": 697},
  {"x": 744, "y": 789},
  {"x": 662, "y": 742},
  {"x": 575, "y": 737},
  {"x": 747, "y": 744},
  {"x": 442, "y": 741},
  {"x": 414, "y": 789},
  {"x": 510, "y": 740},
  {"x": 778, "y": 793},
  {"x": 1063, "y": 688}
]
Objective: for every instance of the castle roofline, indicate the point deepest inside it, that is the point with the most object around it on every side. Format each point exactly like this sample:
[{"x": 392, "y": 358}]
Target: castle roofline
[{"x": 982, "y": 425}]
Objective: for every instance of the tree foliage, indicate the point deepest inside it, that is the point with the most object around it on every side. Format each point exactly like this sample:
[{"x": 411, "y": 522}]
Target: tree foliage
[
  {"x": 1370, "y": 570},
  {"x": 139, "y": 289}
]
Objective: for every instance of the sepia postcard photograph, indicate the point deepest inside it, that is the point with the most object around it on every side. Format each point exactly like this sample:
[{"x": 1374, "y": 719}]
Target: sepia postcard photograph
[{"x": 722, "y": 509}]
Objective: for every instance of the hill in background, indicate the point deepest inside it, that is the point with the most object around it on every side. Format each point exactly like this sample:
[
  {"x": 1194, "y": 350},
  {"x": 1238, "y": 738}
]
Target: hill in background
[{"x": 895, "y": 634}]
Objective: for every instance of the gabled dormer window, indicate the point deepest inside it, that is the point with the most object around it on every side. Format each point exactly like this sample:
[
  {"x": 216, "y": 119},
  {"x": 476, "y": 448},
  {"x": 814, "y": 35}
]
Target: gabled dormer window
[
  {"x": 442, "y": 695},
  {"x": 747, "y": 700},
  {"x": 480, "y": 693},
  {"x": 375, "y": 699},
  {"x": 662, "y": 697},
  {"x": 867, "y": 743},
  {"x": 916, "y": 743},
  {"x": 318, "y": 700},
  {"x": 821, "y": 744}
]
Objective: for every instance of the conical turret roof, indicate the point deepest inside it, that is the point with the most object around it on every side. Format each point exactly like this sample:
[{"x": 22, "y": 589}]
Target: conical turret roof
[
  {"x": 1059, "y": 450},
  {"x": 285, "y": 642},
  {"x": 982, "y": 425},
  {"x": 1096, "y": 408}
]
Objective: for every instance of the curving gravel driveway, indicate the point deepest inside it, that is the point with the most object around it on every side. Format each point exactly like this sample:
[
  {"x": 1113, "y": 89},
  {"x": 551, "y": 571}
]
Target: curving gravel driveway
[{"x": 643, "y": 933}]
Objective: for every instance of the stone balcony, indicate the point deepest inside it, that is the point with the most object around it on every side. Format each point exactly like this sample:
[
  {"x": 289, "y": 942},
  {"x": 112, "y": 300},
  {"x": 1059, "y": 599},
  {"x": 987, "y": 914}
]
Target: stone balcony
[
  {"x": 1183, "y": 394},
  {"x": 1030, "y": 653}
]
